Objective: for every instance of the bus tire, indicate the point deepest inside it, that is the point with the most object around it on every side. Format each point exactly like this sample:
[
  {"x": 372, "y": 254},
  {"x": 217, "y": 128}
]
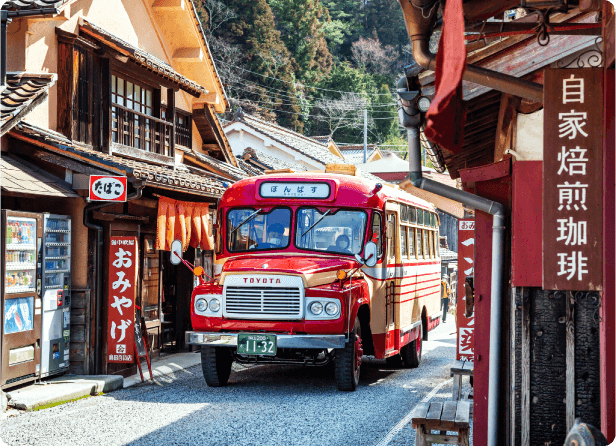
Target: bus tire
[
  {"x": 411, "y": 353},
  {"x": 216, "y": 365},
  {"x": 348, "y": 361}
]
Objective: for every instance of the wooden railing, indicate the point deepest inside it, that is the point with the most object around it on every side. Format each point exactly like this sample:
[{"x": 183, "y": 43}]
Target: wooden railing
[{"x": 134, "y": 129}]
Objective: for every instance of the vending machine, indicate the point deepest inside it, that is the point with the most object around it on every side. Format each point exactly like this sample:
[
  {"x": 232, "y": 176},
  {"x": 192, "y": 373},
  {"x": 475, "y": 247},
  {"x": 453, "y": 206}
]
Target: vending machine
[
  {"x": 22, "y": 234},
  {"x": 56, "y": 264}
]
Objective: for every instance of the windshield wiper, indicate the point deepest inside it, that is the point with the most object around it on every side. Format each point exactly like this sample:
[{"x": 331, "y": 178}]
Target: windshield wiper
[
  {"x": 316, "y": 222},
  {"x": 250, "y": 217}
]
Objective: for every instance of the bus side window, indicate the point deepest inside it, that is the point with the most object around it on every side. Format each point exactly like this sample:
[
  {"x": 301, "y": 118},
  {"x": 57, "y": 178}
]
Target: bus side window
[
  {"x": 419, "y": 244},
  {"x": 403, "y": 241},
  {"x": 411, "y": 242},
  {"x": 391, "y": 236},
  {"x": 377, "y": 231},
  {"x": 426, "y": 245}
]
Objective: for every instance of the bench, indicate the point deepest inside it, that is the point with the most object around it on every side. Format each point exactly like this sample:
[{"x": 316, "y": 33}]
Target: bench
[
  {"x": 452, "y": 416},
  {"x": 460, "y": 369}
]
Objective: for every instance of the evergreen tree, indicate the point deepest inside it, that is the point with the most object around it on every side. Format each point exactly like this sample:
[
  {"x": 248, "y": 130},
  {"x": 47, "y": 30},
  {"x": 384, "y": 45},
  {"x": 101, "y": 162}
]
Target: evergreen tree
[
  {"x": 300, "y": 23},
  {"x": 254, "y": 30},
  {"x": 383, "y": 107}
]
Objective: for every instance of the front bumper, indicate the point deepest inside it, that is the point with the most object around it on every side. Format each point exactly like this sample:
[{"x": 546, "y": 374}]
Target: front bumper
[{"x": 282, "y": 340}]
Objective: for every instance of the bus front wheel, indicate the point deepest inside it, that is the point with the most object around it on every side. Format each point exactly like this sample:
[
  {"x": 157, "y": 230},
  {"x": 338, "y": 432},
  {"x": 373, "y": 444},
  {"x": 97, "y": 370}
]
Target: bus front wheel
[
  {"x": 348, "y": 361},
  {"x": 216, "y": 365},
  {"x": 411, "y": 352}
]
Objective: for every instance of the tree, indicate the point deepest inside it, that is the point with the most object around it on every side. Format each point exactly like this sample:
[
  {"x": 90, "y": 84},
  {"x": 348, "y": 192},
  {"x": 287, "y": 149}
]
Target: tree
[
  {"x": 345, "y": 112},
  {"x": 301, "y": 29},
  {"x": 269, "y": 79},
  {"x": 368, "y": 54},
  {"x": 383, "y": 107}
]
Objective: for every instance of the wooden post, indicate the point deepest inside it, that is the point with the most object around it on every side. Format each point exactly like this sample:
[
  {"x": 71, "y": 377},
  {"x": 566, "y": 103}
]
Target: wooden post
[
  {"x": 570, "y": 374},
  {"x": 106, "y": 133},
  {"x": 525, "y": 391},
  {"x": 171, "y": 119}
]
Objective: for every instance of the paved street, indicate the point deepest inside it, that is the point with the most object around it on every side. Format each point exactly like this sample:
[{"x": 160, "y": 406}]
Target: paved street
[{"x": 264, "y": 405}]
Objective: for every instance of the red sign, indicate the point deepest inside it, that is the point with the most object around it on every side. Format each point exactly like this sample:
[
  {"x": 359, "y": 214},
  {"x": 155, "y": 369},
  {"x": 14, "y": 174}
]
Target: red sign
[
  {"x": 104, "y": 188},
  {"x": 121, "y": 311},
  {"x": 572, "y": 179},
  {"x": 466, "y": 254}
]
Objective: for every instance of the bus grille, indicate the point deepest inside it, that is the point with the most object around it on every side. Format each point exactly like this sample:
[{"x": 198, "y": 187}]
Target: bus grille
[{"x": 261, "y": 302}]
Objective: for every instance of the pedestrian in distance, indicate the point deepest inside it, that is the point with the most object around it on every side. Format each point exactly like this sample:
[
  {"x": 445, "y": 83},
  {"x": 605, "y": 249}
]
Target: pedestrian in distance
[{"x": 445, "y": 296}]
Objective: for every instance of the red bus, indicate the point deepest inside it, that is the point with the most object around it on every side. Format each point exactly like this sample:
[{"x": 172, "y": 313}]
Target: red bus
[{"x": 315, "y": 267}]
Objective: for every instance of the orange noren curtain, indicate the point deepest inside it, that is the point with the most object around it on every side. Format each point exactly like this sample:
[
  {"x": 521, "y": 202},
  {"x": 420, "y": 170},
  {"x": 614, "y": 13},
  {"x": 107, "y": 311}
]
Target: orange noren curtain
[{"x": 185, "y": 221}]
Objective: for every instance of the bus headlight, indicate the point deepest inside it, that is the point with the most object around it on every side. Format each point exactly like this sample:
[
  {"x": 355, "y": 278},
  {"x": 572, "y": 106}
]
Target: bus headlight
[
  {"x": 214, "y": 305},
  {"x": 316, "y": 308},
  {"x": 201, "y": 305},
  {"x": 331, "y": 308}
]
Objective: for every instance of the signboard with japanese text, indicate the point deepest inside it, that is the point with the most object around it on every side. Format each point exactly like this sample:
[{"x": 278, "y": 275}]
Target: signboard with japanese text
[
  {"x": 105, "y": 188},
  {"x": 121, "y": 311},
  {"x": 295, "y": 190},
  {"x": 572, "y": 179},
  {"x": 465, "y": 325}
]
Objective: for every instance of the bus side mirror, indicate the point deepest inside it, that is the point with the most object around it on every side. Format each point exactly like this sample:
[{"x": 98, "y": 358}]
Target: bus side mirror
[
  {"x": 176, "y": 252},
  {"x": 370, "y": 256}
]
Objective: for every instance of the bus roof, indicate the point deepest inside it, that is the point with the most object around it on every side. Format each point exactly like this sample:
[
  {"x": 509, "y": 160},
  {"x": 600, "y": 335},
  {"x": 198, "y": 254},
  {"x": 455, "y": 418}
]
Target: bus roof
[{"x": 346, "y": 190}]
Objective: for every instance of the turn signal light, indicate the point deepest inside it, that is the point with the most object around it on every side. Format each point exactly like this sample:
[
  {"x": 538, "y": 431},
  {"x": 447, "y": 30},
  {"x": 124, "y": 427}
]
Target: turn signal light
[
  {"x": 198, "y": 271},
  {"x": 341, "y": 274}
]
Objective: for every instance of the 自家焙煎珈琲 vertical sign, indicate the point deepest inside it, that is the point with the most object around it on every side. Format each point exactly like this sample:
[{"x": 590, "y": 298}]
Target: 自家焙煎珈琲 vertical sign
[
  {"x": 572, "y": 179},
  {"x": 121, "y": 310}
]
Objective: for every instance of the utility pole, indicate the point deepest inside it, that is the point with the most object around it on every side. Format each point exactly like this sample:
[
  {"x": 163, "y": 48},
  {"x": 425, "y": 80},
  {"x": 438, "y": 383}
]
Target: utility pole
[{"x": 365, "y": 136}]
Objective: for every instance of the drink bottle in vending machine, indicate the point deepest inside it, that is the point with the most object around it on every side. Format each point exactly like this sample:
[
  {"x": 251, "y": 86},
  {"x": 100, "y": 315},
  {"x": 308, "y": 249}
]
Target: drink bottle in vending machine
[
  {"x": 21, "y": 300},
  {"x": 56, "y": 265}
]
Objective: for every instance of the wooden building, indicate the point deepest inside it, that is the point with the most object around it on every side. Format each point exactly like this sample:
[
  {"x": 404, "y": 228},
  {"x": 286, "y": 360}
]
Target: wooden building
[{"x": 123, "y": 88}]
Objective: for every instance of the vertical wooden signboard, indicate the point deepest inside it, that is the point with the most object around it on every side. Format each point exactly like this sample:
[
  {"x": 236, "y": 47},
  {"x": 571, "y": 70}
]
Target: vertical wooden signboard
[
  {"x": 121, "y": 311},
  {"x": 572, "y": 179},
  {"x": 466, "y": 254}
]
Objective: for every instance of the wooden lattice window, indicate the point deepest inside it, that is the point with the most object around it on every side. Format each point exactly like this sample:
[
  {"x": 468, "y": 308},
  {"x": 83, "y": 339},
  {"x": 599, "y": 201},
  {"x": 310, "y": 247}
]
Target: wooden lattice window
[{"x": 183, "y": 128}]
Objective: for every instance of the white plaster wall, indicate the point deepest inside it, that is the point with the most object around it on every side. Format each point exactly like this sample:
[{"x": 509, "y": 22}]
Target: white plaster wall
[
  {"x": 529, "y": 136},
  {"x": 241, "y": 140}
]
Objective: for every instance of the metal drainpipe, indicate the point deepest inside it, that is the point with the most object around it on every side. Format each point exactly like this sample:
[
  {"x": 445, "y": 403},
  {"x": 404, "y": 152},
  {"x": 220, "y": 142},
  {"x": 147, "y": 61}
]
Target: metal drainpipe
[
  {"x": 419, "y": 28},
  {"x": 410, "y": 118},
  {"x": 98, "y": 277}
]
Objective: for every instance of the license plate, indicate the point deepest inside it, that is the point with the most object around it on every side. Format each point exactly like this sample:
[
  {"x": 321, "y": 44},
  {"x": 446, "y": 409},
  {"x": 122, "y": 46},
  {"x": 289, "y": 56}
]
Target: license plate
[{"x": 256, "y": 344}]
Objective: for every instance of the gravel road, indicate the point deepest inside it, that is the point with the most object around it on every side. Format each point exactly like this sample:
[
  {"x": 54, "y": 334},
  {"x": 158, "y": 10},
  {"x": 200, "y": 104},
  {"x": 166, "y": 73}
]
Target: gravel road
[{"x": 262, "y": 405}]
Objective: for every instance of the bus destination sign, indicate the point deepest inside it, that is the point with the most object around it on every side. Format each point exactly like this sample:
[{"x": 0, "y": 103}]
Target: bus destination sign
[{"x": 294, "y": 190}]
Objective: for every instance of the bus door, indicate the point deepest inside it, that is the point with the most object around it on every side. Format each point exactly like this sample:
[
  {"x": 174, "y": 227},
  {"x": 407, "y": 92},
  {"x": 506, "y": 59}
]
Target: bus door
[{"x": 393, "y": 259}]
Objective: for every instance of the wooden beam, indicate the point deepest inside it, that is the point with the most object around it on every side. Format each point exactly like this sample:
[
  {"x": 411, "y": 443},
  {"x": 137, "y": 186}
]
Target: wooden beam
[
  {"x": 525, "y": 390},
  {"x": 570, "y": 358},
  {"x": 169, "y": 5},
  {"x": 188, "y": 54}
]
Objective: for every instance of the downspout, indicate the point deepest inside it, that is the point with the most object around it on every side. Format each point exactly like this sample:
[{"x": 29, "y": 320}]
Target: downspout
[
  {"x": 411, "y": 119},
  {"x": 419, "y": 27},
  {"x": 98, "y": 267}
]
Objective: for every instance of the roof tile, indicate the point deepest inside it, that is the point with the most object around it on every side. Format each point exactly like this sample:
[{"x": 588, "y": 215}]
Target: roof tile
[{"x": 22, "y": 93}]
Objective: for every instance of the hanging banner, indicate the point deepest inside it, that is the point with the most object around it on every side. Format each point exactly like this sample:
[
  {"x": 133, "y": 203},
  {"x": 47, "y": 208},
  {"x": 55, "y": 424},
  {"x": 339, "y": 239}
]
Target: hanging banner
[
  {"x": 121, "y": 310},
  {"x": 466, "y": 255},
  {"x": 572, "y": 179}
]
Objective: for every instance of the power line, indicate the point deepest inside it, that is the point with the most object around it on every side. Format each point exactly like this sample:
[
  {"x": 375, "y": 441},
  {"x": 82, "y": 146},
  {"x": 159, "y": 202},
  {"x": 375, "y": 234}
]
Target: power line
[
  {"x": 242, "y": 82},
  {"x": 296, "y": 83},
  {"x": 306, "y": 115}
]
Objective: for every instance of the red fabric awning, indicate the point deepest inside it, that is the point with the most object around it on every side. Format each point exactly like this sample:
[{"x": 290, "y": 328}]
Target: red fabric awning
[{"x": 446, "y": 116}]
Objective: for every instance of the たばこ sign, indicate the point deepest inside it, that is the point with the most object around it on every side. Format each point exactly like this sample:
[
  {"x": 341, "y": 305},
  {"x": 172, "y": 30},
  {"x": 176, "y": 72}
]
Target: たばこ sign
[{"x": 104, "y": 188}]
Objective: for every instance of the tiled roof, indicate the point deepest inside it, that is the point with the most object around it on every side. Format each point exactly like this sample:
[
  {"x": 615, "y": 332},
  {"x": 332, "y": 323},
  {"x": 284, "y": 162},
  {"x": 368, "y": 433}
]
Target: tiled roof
[
  {"x": 33, "y": 4},
  {"x": 177, "y": 178},
  {"x": 246, "y": 167},
  {"x": 447, "y": 254},
  {"x": 322, "y": 139},
  {"x": 298, "y": 142},
  {"x": 258, "y": 159},
  {"x": 355, "y": 154},
  {"x": 18, "y": 177},
  {"x": 23, "y": 92},
  {"x": 303, "y": 144},
  {"x": 146, "y": 60},
  {"x": 221, "y": 166}
]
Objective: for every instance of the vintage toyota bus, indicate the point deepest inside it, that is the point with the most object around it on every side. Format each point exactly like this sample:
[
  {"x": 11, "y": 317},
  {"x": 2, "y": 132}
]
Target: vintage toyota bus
[{"x": 315, "y": 267}]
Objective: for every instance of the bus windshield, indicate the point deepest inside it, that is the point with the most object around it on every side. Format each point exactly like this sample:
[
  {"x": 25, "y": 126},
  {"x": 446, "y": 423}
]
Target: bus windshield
[
  {"x": 336, "y": 231},
  {"x": 252, "y": 229}
]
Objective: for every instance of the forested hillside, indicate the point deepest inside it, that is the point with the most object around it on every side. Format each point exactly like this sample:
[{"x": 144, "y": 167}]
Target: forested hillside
[{"x": 311, "y": 65}]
